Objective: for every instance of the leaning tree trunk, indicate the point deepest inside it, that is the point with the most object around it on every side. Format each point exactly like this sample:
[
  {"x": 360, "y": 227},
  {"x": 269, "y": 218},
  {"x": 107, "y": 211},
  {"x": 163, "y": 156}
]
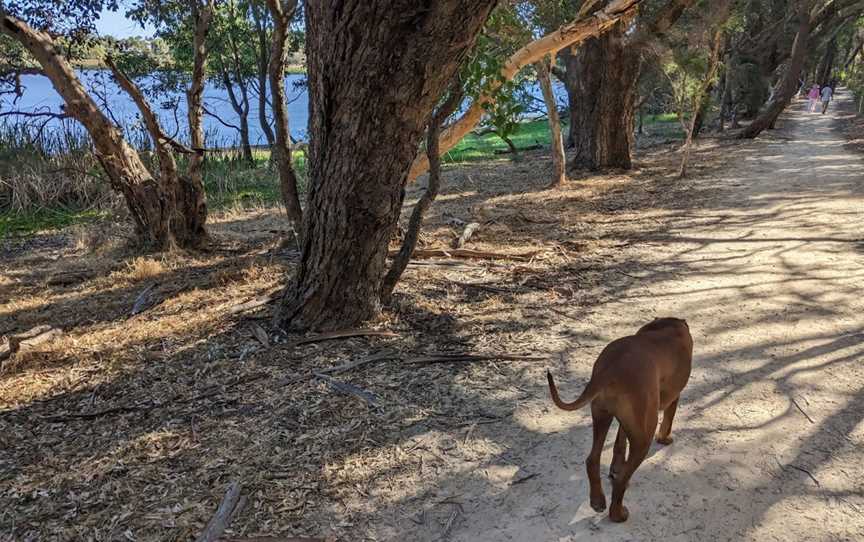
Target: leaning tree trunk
[
  {"x": 365, "y": 131},
  {"x": 412, "y": 234},
  {"x": 241, "y": 107},
  {"x": 152, "y": 201},
  {"x": 282, "y": 11},
  {"x": 698, "y": 99},
  {"x": 788, "y": 84},
  {"x": 826, "y": 64},
  {"x": 191, "y": 191},
  {"x": 603, "y": 121},
  {"x": 263, "y": 63},
  {"x": 558, "y": 159}
]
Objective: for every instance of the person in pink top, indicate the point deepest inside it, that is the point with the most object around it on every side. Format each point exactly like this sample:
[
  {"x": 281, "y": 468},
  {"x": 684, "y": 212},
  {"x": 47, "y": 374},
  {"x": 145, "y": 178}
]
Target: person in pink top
[{"x": 813, "y": 98}]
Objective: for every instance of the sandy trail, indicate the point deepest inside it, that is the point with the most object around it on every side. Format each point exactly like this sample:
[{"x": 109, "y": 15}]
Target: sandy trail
[{"x": 767, "y": 272}]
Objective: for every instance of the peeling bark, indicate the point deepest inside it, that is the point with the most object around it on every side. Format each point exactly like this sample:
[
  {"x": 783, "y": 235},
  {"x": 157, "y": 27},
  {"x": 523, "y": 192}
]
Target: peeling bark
[{"x": 559, "y": 164}]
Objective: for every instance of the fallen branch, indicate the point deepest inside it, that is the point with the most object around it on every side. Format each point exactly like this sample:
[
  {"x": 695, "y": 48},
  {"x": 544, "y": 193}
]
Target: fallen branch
[
  {"x": 801, "y": 469},
  {"x": 146, "y": 407},
  {"x": 468, "y": 254},
  {"x": 254, "y": 303},
  {"x": 349, "y": 389},
  {"x": 794, "y": 402},
  {"x": 359, "y": 363},
  {"x": 141, "y": 302},
  {"x": 260, "y": 334},
  {"x": 808, "y": 473},
  {"x": 447, "y": 358},
  {"x": 28, "y": 340},
  {"x": 562, "y": 313},
  {"x": 344, "y": 334},
  {"x": 484, "y": 287},
  {"x": 68, "y": 277},
  {"x": 91, "y": 415},
  {"x": 219, "y": 522},
  {"x": 466, "y": 234},
  {"x": 524, "y": 479}
]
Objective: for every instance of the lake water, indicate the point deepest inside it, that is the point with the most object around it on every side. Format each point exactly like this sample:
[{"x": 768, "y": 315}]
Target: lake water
[{"x": 39, "y": 95}]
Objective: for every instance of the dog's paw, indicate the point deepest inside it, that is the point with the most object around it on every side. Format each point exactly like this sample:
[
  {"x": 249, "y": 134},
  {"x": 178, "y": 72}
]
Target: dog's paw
[
  {"x": 619, "y": 514},
  {"x": 598, "y": 503},
  {"x": 665, "y": 441}
]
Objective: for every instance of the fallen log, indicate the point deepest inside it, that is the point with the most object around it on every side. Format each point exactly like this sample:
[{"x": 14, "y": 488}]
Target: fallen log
[{"x": 28, "y": 340}]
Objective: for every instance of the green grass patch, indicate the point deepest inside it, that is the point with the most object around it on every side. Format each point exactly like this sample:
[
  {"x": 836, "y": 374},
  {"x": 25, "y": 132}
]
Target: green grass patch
[
  {"x": 231, "y": 183},
  {"x": 483, "y": 147}
]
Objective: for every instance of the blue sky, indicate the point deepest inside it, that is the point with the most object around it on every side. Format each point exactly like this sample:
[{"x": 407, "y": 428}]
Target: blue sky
[{"x": 116, "y": 24}]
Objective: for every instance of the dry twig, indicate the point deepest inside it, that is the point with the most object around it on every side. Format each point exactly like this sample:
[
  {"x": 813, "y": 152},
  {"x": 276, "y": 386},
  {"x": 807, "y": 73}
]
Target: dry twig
[
  {"x": 219, "y": 522},
  {"x": 344, "y": 334},
  {"x": 794, "y": 402}
]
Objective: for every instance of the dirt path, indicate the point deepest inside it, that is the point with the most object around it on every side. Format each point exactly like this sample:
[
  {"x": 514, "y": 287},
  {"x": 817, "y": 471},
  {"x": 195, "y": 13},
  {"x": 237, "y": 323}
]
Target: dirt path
[{"x": 769, "y": 440}]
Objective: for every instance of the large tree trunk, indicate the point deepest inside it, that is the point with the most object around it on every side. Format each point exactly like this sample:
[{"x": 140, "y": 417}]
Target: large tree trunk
[
  {"x": 376, "y": 69},
  {"x": 601, "y": 80},
  {"x": 607, "y": 72},
  {"x": 152, "y": 201},
  {"x": 789, "y": 83},
  {"x": 559, "y": 164}
]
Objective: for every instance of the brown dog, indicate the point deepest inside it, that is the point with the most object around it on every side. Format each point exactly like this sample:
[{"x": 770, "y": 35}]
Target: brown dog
[{"x": 633, "y": 379}]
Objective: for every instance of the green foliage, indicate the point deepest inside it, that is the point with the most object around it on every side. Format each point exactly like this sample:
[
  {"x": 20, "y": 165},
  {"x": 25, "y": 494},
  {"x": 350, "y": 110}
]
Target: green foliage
[{"x": 503, "y": 34}]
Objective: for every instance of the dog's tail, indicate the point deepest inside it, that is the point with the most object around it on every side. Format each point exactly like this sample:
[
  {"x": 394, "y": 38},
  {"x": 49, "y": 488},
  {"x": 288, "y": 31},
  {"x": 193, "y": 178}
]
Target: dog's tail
[{"x": 588, "y": 394}]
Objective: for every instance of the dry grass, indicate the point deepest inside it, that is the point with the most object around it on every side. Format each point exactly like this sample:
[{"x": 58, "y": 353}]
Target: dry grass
[
  {"x": 141, "y": 269},
  {"x": 206, "y": 402}
]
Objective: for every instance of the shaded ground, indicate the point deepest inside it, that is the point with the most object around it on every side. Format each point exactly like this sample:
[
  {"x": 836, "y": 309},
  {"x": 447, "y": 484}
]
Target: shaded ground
[{"x": 761, "y": 252}]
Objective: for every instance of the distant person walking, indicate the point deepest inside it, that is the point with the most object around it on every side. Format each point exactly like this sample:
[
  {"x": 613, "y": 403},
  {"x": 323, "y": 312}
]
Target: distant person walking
[
  {"x": 827, "y": 93},
  {"x": 813, "y": 98}
]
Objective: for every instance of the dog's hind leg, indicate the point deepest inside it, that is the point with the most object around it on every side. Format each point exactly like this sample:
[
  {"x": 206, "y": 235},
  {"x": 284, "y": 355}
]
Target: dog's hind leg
[
  {"x": 602, "y": 421},
  {"x": 664, "y": 435},
  {"x": 619, "y": 453},
  {"x": 639, "y": 437}
]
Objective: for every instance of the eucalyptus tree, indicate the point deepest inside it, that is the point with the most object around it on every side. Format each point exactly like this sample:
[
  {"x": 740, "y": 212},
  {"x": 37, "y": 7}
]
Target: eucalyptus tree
[
  {"x": 167, "y": 206},
  {"x": 368, "y": 109}
]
